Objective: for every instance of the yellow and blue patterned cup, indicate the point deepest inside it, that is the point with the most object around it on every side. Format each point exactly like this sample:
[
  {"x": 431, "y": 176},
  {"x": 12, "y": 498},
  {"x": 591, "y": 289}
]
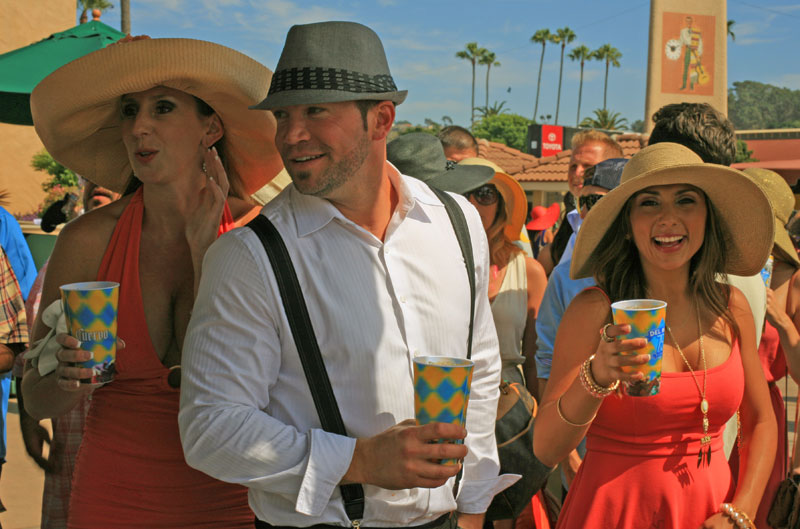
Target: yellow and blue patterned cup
[
  {"x": 441, "y": 391},
  {"x": 90, "y": 309},
  {"x": 646, "y": 318}
]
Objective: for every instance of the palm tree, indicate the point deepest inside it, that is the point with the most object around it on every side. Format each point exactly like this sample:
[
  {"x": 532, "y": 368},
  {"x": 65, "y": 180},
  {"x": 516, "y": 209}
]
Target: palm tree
[
  {"x": 580, "y": 53},
  {"x": 731, "y": 23},
  {"x": 540, "y": 37},
  {"x": 605, "y": 119},
  {"x": 471, "y": 53},
  {"x": 488, "y": 58},
  {"x": 563, "y": 36},
  {"x": 611, "y": 55},
  {"x": 495, "y": 110},
  {"x": 87, "y": 5},
  {"x": 125, "y": 16}
]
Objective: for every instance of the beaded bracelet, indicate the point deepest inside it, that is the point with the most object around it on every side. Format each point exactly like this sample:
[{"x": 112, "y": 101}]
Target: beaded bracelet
[
  {"x": 575, "y": 424},
  {"x": 590, "y": 384},
  {"x": 738, "y": 516}
]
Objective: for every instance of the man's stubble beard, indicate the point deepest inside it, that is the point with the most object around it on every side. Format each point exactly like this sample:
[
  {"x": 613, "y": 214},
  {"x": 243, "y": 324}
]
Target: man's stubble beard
[{"x": 337, "y": 174}]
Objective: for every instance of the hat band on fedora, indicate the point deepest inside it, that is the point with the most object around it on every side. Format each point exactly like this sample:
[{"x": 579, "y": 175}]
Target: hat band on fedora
[{"x": 330, "y": 79}]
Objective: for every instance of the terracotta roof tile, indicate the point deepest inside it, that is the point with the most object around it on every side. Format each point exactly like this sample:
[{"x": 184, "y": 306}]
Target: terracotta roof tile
[{"x": 527, "y": 168}]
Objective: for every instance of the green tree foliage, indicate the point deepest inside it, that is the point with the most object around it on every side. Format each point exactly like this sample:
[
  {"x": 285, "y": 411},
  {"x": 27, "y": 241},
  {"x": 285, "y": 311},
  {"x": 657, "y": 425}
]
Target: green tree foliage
[
  {"x": 638, "y": 126},
  {"x": 542, "y": 36},
  {"x": 605, "y": 119},
  {"x": 495, "y": 109},
  {"x": 743, "y": 154},
  {"x": 472, "y": 53},
  {"x": 509, "y": 129},
  {"x": 563, "y": 36},
  {"x": 754, "y": 105},
  {"x": 87, "y": 5},
  {"x": 60, "y": 175}
]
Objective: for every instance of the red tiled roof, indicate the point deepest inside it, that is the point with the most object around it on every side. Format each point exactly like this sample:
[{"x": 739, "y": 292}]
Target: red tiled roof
[{"x": 527, "y": 168}]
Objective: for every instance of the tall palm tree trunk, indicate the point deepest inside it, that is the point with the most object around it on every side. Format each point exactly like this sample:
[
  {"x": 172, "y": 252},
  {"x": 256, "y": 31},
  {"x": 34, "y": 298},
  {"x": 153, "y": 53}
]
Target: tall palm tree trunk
[
  {"x": 488, "y": 67},
  {"x": 605, "y": 87},
  {"x": 538, "y": 86},
  {"x": 125, "y": 16},
  {"x": 472, "y": 107},
  {"x": 560, "y": 72},
  {"x": 580, "y": 93}
]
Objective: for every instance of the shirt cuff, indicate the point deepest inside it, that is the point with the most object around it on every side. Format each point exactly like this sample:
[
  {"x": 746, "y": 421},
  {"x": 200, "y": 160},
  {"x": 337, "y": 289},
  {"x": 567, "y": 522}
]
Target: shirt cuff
[
  {"x": 474, "y": 497},
  {"x": 327, "y": 463}
]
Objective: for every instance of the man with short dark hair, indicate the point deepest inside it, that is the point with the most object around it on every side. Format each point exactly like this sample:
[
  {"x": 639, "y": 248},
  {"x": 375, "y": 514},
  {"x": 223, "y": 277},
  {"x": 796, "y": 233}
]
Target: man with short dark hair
[
  {"x": 698, "y": 126},
  {"x": 589, "y": 147},
  {"x": 458, "y": 143},
  {"x": 384, "y": 281}
]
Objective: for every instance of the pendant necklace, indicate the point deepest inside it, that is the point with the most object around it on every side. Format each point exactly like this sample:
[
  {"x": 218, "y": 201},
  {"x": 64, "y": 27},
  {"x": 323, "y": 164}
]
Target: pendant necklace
[{"x": 704, "y": 457}]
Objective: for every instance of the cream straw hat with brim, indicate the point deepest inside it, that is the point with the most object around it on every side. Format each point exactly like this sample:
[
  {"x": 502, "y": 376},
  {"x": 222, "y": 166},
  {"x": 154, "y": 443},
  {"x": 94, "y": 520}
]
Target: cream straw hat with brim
[
  {"x": 742, "y": 206},
  {"x": 781, "y": 198},
  {"x": 76, "y": 109},
  {"x": 512, "y": 193}
]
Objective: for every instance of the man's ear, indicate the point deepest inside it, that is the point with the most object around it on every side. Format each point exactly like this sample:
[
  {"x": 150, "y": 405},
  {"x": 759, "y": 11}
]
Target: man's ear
[
  {"x": 382, "y": 116},
  {"x": 214, "y": 131}
]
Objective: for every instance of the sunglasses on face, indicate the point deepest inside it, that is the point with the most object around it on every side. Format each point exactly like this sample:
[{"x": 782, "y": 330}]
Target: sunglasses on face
[
  {"x": 588, "y": 201},
  {"x": 486, "y": 195}
]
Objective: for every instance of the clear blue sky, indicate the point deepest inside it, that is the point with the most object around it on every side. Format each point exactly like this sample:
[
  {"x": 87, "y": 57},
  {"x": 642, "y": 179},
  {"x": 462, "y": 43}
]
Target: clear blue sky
[{"x": 422, "y": 37}]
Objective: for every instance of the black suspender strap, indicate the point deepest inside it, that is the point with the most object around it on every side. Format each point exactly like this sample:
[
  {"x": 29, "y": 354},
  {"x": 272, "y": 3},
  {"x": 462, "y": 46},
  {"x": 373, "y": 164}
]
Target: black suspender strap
[{"x": 306, "y": 342}]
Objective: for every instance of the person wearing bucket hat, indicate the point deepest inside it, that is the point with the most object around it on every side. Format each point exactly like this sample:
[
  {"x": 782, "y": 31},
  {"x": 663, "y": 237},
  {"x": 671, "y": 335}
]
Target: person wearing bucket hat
[
  {"x": 421, "y": 155},
  {"x": 666, "y": 232},
  {"x": 778, "y": 349},
  {"x": 166, "y": 120},
  {"x": 358, "y": 234},
  {"x": 542, "y": 219}
]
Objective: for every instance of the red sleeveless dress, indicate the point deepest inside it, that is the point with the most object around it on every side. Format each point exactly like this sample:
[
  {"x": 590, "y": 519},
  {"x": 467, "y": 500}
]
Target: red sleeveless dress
[
  {"x": 773, "y": 362},
  {"x": 640, "y": 469},
  {"x": 130, "y": 470}
]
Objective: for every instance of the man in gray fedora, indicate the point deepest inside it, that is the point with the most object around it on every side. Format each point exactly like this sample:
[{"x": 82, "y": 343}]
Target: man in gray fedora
[{"x": 383, "y": 277}]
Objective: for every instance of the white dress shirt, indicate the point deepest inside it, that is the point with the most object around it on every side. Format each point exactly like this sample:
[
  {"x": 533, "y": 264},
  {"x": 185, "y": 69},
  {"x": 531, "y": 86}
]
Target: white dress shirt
[{"x": 247, "y": 415}]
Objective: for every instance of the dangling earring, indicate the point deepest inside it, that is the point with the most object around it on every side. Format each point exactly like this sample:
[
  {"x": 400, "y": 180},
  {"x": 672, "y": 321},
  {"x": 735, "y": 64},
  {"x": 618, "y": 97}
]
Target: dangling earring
[{"x": 204, "y": 168}]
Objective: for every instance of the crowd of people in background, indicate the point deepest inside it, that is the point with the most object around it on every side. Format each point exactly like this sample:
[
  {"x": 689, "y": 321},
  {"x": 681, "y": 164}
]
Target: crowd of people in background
[{"x": 214, "y": 417}]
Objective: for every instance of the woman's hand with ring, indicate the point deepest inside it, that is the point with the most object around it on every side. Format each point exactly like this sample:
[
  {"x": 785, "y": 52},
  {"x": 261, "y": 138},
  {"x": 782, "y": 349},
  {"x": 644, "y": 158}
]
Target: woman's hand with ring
[{"x": 614, "y": 355}]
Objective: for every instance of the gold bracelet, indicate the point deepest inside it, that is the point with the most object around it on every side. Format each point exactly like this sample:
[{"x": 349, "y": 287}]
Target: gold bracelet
[
  {"x": 590, "y": 384},
  {"x": 576, "y": 425},
  {"x": 738, "y": 516}
]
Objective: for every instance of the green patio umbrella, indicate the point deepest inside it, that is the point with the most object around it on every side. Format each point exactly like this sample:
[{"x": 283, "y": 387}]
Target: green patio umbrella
[{"x": 23, "y": 68}]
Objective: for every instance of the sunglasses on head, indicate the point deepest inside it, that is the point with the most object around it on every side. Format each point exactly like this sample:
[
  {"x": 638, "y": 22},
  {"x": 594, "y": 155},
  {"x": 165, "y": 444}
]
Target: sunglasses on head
[
  {"x": 588, "y": 201},
  {"x": 486, "y": 195}
]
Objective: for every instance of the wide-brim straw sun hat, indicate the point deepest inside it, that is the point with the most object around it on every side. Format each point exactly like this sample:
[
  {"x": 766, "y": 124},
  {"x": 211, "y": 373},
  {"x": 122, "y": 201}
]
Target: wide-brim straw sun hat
[
  {"x": 781, "y": 198},
  {"x": 516, "y": 203},
  {"x": 421, "y": 155},
  {"x": 742, "y": 206},
  {"x": 76, "y": 109},
  {"x": 331, "y": 62}
]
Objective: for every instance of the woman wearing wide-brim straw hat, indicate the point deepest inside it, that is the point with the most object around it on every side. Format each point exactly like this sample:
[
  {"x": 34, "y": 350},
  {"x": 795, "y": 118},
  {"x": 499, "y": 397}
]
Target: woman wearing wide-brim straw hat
[
  {"x": 779, "y": 350},
  {"x": 671, "y": 228},
  {"x": 167, "y": 122},
  {"x": 516, "y": 282}
]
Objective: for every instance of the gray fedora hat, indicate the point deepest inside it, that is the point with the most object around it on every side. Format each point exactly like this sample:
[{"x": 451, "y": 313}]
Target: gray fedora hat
[
  {"x": 329, "y": 62},
  {"x": 421, "y": 155}
]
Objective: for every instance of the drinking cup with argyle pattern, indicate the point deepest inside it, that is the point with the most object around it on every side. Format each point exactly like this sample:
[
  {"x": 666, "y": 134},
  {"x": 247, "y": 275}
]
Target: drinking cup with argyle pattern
[{"x": 646, "y": 318}]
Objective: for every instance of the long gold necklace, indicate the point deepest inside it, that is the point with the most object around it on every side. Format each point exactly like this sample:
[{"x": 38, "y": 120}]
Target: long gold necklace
[{"x": 705, "y": 453}]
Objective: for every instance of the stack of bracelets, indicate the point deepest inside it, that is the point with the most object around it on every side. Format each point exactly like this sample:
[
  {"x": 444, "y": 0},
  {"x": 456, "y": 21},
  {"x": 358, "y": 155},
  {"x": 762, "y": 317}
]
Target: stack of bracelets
[
  {"x": 738, "y": 516},
  {"x": 590, "y": 384}
]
